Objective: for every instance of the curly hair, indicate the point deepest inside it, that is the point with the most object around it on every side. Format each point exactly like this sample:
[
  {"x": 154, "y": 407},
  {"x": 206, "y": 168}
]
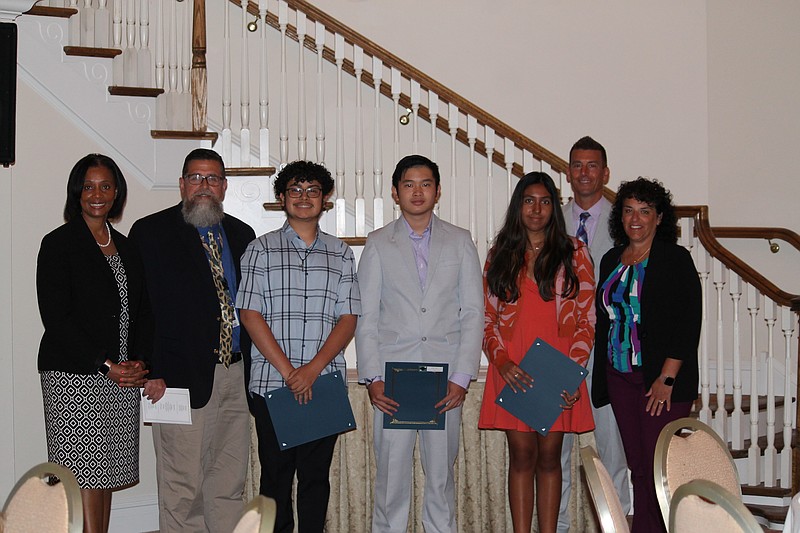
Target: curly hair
[
  {"x": 77, "y": 176},
  {"x": 653, "y": 193},
  {"x": 303, "y": 171},
  {"x": 507, "y": 255}
]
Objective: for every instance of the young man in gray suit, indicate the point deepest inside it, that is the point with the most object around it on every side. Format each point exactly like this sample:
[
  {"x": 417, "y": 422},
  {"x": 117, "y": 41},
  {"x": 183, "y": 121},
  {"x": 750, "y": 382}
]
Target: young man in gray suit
[
  {"x": 422, "y": 300},
  {"x": 586, "y": 216}
]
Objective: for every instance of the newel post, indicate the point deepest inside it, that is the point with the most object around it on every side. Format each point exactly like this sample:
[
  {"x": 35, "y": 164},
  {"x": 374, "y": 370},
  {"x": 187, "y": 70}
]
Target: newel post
[{"x": 199, "y": 75}]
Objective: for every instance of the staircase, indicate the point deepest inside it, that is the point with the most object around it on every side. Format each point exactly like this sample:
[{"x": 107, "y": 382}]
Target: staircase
[{"x": 359, "y": 99}]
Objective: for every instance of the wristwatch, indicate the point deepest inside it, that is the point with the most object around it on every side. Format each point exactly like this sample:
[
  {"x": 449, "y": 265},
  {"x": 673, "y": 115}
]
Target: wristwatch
[
  {"x": 669, "y": 381},
  {"x": 104, "y": 368}
]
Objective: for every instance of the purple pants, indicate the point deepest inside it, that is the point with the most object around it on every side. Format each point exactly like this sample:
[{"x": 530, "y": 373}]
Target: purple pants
[{"x": 639, "y": 432}]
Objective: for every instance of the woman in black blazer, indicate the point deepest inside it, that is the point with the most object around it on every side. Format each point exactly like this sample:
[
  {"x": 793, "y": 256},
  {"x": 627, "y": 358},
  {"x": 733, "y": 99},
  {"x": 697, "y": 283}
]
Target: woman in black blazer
[
  {"x": 93, "y": 305},
  {"x": 648, "y": 328}
]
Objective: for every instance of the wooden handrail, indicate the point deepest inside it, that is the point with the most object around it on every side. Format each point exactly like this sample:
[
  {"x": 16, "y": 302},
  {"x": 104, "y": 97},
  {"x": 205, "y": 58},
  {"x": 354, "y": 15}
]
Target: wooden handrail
[
  {"x": 445, "y": 94},
  {"x": 731, "y": 232},
  {"x": 706, "y": 235}
]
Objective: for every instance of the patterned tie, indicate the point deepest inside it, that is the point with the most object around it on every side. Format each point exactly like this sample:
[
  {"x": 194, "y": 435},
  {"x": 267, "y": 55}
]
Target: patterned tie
[
  {"x": 225, "y": 303},
  {"x": 581, "y": 233}
]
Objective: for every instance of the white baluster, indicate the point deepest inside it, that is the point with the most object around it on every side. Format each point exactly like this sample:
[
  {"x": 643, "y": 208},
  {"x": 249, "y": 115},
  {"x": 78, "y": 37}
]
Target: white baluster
[
  {"x": 171, "y": 40},
  {"x": 227, "y": 134},
  {"x": 244, "y": 95},
  {"x": 263, "y": 97},
  {"x": 301, "y": 87},
  {"x": 472, "y": 133},
  {"x": 433, "y": 111},
  {"x": 508, "y": 147},
  {"x": 87, "y": 24},
  {"x": 720, "y": 415},
  {"x": 396, "y": 88},
  {"x": 687, "y": 233},
  {"x": 701, "y": 261},
  {"x": 415, "y": 99},
  {"x": 283, "y": 130},
  {"x": 319, "y": 41},
  {"x": 340, "y": 192},
  {"x": 129, "y": 54},
  {"x": 102, "y": 25},
  {"x": 116, "y": 29},
  {"x": 358, "y": 67},
  {"x": 377, "y": 150},
  {"x": 144, "y": 56},
  {"x": 788, "y": 319},
  {"x": 75, "y": 23},
  {"x": 753, "y": 451},
  {"x": 489, "y": 143},
  {"x": 186, "y": 66},
  {"x": 528, "y": 164},
  {"x": 159, "y": 45},
  {"x": 770, "y": 453},
  {"x": 737, "y": 417},
  {"x": 452, "y": 124}
]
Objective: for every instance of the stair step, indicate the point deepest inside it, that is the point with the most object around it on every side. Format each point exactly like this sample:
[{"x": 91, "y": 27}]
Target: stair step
[
  {"x": 249, "y": 171},
  {"x": 89, "y": 51},
  {"x": 185, "y": 135},
  {"x": 354, "y": 241},
  {"x": 762, "y": 403},
  {"x": 762, "y": 444},
  {"x": 44, "y": 11},
  {"x": 276, "y": 206},
  {"x": 120, "y": 90},
  {"x": 773, "y": 514},
  {"x": 769, "y": 492}
]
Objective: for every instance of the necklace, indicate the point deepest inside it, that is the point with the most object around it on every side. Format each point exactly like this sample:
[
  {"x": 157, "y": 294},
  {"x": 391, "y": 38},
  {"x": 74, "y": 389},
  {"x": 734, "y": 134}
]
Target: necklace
[
  {"x": 108, "y": 242},
  {"x": 536, "y": 247},
  {"x": 641, "y": 256}
]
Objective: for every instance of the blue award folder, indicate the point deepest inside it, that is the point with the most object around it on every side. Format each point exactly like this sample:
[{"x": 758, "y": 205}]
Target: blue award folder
[
  {"x": 417, "y": 387},
  {"x": 552, "y": 373},
  {"x": 328, "y": 412}
]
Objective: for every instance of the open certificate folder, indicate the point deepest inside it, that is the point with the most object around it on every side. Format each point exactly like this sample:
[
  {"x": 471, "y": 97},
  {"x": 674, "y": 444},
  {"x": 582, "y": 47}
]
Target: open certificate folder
[
  {"x": 328, "y": 412},
  {"x": 552, "y": 373},
  {"x": 417, "y": 387}
]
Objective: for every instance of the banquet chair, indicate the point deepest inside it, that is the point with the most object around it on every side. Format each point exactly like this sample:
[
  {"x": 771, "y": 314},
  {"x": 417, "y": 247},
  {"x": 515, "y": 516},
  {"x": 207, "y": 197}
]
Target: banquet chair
[
  {"x": 604, "y": 495},
  {"x": 46, "y": 498},
  {"x": 258, "y": 517},
  {"x": 686, "y": 450},
  {"x": 702, "y": 506}
]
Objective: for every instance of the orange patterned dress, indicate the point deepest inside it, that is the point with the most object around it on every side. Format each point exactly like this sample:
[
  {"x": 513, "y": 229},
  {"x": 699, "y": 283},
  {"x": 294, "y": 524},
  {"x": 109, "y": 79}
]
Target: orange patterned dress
[{"x": 565, "y": 323}]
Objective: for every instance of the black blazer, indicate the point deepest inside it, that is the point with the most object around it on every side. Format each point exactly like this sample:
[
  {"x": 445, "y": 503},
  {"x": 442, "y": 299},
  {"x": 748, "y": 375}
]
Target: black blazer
[
  {"x": 184, "y": 299},
  {"x": 670, "y": 324},
  {"x": 79, "y": 301}
]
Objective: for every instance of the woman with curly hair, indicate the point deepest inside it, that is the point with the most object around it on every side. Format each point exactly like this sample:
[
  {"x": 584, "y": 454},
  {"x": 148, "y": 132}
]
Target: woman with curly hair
[
  {"x": 648, "y": 328},
  {"x": 538, "y": 282}
]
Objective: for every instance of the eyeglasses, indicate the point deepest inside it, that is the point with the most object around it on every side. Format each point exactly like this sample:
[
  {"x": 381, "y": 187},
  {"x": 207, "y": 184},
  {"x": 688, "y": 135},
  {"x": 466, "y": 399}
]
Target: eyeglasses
[
  {"x": 297, "y": 192},
  {"x": 212, "y": 179}
]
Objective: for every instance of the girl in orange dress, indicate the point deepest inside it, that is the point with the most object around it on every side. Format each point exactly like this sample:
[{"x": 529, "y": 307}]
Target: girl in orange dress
[{"x": 538, "y": 282}]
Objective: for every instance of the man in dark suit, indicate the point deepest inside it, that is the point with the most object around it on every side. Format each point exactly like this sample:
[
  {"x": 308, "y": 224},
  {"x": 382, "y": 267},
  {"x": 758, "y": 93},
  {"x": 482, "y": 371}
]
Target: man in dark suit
[{"x": 191, "y": 256}]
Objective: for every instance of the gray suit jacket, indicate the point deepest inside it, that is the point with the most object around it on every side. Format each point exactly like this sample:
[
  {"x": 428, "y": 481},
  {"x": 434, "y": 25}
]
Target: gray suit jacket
[
  {"x": 601, "y": 241},
  {"x": 401, "y": 322}
]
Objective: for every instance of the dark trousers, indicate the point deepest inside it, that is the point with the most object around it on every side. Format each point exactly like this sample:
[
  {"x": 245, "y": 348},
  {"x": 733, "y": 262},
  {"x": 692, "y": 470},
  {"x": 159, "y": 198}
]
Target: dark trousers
[
  {"x": 311, "y": 462},
  {"x": 639, "y": 432}
]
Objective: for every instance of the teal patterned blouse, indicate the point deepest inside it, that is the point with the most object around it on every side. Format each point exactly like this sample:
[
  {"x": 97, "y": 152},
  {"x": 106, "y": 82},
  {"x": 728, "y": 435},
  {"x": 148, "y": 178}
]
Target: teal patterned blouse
[{"x": 620, "y": 295}]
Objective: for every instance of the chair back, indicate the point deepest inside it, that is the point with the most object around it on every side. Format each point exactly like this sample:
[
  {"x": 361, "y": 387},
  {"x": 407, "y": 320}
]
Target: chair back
[
  {"x": 682, "y": 456},
  {"x": 702, "y": 506},
  {"x": 46, "y": 498},
  {"x": 258, "y": 517},
  {"x": 604, "y": 495}
]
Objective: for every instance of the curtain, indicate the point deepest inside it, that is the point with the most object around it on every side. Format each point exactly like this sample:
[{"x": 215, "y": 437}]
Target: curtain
[{"x": 481, "y": 476}]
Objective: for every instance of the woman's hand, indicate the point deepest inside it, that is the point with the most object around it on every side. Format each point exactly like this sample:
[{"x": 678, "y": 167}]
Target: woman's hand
[
  {"x": 570, "y": 399},
  {"x": 517, "y": 379},
  {"x": 660, "y": 396},
  {"x": 128, "y": 374}
]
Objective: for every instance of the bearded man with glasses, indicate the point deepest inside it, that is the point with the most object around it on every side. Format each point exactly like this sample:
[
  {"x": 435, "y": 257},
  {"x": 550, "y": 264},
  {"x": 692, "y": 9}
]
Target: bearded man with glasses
[{"x": 191, "y": 255}]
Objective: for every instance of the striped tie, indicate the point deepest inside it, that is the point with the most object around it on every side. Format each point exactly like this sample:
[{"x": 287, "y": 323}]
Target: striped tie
[{"x": 581, "y": 233}]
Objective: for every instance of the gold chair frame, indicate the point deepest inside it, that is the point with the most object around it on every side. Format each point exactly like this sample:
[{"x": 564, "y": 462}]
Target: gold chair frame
[
  {"x": 265, "y": 509},
  {"x": 660, "y": 460},
  {"x": 708, "y": 490},
  {"x": 602, "y": 502},
  {"x": 71, "y": 489}
]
